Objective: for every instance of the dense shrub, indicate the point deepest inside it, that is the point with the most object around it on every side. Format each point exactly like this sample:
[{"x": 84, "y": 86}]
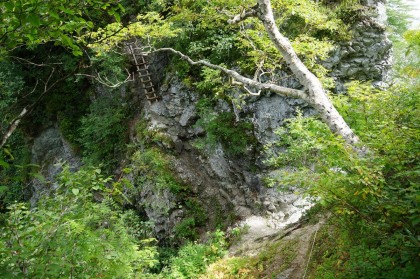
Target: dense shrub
[
  {"x": 71, "y": 235},
  {"x": 103, "y": 132},
  {"x": 374, "y": 197},
  {"x": 235, "y": 136},
  {"x": 193, "y": 259}
]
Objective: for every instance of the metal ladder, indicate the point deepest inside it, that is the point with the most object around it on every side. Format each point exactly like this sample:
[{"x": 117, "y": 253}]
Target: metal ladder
[{"x": 144, "y": 76}]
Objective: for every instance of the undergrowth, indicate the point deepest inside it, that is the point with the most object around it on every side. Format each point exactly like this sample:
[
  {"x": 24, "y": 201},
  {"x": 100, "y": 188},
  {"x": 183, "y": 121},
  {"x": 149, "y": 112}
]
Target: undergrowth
[{"x": 236, "y": 136}]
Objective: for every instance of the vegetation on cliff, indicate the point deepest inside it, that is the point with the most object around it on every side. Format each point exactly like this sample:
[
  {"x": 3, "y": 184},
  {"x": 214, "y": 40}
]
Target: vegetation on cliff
[{"x": 63, "y": 65}]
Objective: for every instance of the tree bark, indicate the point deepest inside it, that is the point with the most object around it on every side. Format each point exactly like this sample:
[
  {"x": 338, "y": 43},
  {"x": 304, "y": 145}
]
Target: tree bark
[
  {"x": 48, "y": 86},
  {"x": 12, "y": 127},
  {"x": 316, "y": 95},
  {"x": 283, "y": 91}
]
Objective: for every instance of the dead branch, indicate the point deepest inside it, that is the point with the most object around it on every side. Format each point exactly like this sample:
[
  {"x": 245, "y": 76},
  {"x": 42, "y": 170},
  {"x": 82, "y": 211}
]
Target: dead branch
[
  {"x": 244, "y": 15},
  {"x": 106, "y": 82}
]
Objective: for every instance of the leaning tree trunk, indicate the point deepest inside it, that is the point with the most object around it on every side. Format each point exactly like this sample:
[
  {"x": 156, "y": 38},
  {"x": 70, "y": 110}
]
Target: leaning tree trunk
[
  {"x": 12, "y": 127},
  {"x": 316, "y": 94}
]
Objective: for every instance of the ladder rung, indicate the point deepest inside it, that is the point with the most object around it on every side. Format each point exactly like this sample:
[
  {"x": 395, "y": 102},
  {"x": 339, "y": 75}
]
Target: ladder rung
[
  {"x": 148, "y": 86},
  {"x": 152, "y": 98},
  {"x": 146, "y": 80}
]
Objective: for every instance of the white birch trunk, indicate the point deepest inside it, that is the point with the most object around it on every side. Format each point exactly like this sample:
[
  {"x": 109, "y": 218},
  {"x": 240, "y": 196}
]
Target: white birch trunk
[
  {"x": 12, "y": 127},
  {"x": 316, "y": 95}
]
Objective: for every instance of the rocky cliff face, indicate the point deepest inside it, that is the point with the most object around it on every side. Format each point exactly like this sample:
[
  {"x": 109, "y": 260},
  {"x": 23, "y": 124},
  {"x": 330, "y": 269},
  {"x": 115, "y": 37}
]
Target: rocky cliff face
[
  {"x": 367, "y": 56},
  {"x": 48, "y": 150},
  {"x": 227, "y": 188},
  {"x": 232, "y": 186}
]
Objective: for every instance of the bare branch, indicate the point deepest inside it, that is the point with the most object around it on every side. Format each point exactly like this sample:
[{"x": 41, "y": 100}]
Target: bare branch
[
  {"x": 33, "y": 90},
  {"x": 48, "y": 80},
  {"x": 26, "y": 61},
  {"x": 259, "y": 70},
  {"x": 244, "y": 15},
  {"x": 234, "y": 82},
  {"x": 283, "y": 91},
  {"x": 28, "y": 109},
  {"x": 252, "y": 93},
  {"x": 105, "y": 81}
]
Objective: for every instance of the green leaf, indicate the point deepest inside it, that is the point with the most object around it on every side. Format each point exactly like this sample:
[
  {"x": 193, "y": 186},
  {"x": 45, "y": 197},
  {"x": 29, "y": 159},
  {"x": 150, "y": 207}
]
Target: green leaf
[
  {"x": 77, "y": 52},
  {"x": 39, "y": 176},
  {"x": 54, "y": 15},
  {"x": 67, "y": 11},
  {"x": 75, "y": 191},
  {"x": 9, "y": 6},
  {"x": 7, "y": 151},
  {"x": 4, "y": 164},
  {"x": 117, "y": 16},
  {"x": 34, "y": 20},
  {"x": 3, "y": 189}
]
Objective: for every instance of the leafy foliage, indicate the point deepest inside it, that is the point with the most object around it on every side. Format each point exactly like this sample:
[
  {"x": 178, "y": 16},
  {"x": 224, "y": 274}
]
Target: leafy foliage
[
  {"x": 103, "y": 133},
  {"x": 374, "y": 197},
  {"x": 30, "y": 22},
  {"x": 193, "y": 258},
  {"x": 83, "y": 232},
  {"x": 195, "y": 217},
  {"x": 398, "y": 19},
  {"x": 15, "y": 170},
  {"x": 235, "y": 136},
  {"x": 72, "y": 235},
  {"x": 150, "y": 25},
  {"x": 11, "y": 84},
  {"x": 153, "y": 165}
]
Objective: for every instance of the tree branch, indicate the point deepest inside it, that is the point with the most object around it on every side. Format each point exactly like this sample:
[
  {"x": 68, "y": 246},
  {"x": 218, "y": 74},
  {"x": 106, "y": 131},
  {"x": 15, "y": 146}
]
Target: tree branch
[
  {"x": 48, "y": 86},
  {"x": 106, "y": 82},
  {"x": 12, "y": 126},
  {"x": 244, "y": 15},
  {"x": 316, "y": 96},
  {"x": 280, "y": 90}
]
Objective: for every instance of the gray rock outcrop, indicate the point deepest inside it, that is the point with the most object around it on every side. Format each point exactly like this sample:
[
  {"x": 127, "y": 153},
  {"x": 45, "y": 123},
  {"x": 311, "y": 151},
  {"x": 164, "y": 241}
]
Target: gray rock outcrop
[{"x": 49, "y": 149}]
